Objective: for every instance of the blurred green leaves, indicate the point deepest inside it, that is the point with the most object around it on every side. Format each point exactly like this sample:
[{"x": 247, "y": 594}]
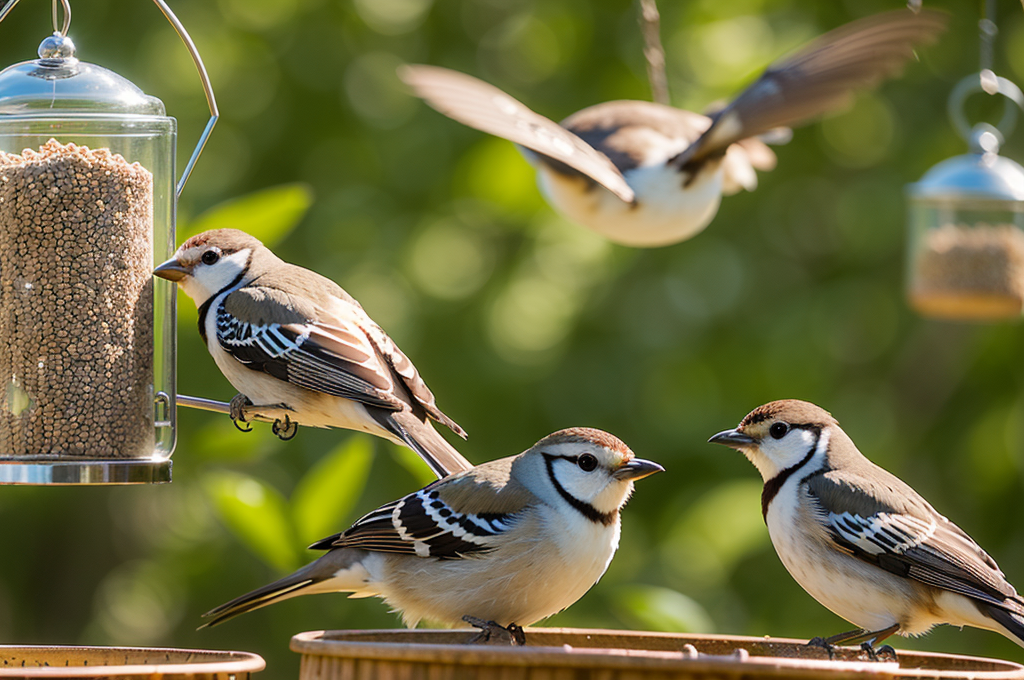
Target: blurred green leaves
[
  {"x": 325, "y": 496},
  {"x": 278, "y": 529},
  {"x": 268, "y": 214},
  {"x": 661, "y": 609},
  {"x": 257, "y": 514}
]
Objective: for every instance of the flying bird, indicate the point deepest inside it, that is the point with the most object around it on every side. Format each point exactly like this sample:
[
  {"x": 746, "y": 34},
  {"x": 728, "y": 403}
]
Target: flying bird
[{"x": 646, "y": 175}]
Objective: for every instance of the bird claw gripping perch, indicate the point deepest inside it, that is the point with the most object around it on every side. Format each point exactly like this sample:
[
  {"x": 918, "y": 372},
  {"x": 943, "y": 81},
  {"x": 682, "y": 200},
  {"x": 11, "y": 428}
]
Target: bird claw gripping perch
[
  {"x": 883, "y": 653},
  {"x": 512, "y": 635},
  {"x": 285, "y": 429},
  {"x": 238, "y": 404},
  {"x": 824, "y": 644}
]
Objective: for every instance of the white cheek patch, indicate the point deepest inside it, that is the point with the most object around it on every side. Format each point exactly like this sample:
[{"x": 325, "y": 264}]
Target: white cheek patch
[
  {"x": 777, "y": 455},
  {"x": 208, "y": 280}
]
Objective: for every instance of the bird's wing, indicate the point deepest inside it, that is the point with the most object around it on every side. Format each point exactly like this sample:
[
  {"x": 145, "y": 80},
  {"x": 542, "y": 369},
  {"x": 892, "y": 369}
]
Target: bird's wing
[
  {"x": 437, "y": 522},
  {"x": 329, "y": 354},
  {"x": 912, "y": 541},
  {"x": 820, "y": 78},
  {"x": 407, "y": 373},
  {"x": 484, "y": 107}
]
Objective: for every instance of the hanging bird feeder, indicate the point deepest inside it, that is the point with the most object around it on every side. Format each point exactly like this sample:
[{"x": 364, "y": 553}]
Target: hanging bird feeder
[
  {"x": 966, "y": 215},
  {"x": 87, "y": 207}
]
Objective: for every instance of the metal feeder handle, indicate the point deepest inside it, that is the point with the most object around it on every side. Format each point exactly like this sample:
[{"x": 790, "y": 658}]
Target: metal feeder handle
[
  {"x": 988, "y": 82},
  {"x": 211, "y": 100}
]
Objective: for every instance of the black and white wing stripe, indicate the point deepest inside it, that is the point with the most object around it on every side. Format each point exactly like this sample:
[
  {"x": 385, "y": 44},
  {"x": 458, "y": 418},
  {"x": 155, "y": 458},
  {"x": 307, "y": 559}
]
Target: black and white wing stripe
[
  {"x": 422, "y": 524},
  {"x": 331, "y": 359},
  {"x": 919, "y": 544}
]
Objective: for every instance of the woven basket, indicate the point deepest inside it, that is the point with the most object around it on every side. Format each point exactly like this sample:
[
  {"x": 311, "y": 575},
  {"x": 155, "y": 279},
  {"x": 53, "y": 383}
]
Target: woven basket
[
  {"x": 592, "y": 654},
  {"x": 141, "y": 663}
]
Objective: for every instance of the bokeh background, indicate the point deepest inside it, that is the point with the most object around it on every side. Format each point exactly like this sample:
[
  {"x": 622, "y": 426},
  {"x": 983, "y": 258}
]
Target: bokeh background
[{"x": 524, "y": 324}]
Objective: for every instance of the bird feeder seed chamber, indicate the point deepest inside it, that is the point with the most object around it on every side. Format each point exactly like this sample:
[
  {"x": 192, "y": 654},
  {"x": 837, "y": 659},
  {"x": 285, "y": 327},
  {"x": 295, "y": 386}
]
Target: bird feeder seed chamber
[
  {"x": 87, "y": 335},
  {"x": 966, "y": 221}
]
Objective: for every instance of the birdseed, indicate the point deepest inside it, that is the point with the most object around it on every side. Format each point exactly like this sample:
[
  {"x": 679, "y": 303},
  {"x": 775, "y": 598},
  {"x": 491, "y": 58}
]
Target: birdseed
[
  {"x": 970, "y": 272},
  {"x": 76, "y": 304}
]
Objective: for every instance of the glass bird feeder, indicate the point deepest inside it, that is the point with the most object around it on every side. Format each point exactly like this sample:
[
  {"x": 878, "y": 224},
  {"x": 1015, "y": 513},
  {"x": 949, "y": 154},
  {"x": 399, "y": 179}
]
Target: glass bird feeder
[
  {"x": 87, "y": 208},
  {"x": 966, "y": 220}
]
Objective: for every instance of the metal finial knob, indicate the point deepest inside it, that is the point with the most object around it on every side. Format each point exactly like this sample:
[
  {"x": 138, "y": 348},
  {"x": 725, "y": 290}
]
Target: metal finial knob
[{"x": 57, "y": 46}]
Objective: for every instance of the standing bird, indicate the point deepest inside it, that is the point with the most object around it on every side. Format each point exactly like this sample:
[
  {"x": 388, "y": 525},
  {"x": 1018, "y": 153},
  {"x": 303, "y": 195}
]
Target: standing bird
[
  {"x": 861, "y": 541},
  {"x": 291, "y": 340},
  {"x": 500, "y": 546},
  {"x": 644, "y": 174}
]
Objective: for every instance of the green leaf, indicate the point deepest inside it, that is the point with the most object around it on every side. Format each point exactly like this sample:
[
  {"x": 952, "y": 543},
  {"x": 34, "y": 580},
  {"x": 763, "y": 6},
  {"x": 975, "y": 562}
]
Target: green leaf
[
  {"x": 325, "y": 495},
  {"x": 662, "y": 609},
  {"x": 257, "y": 514},
  {"x": 268, "y": 214},
  {"x": 409, "y": 460}
]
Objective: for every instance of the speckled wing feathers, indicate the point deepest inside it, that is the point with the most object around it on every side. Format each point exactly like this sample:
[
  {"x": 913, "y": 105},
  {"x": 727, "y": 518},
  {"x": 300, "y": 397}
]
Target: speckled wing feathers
[
  {"x": 912, "y": 541},
  {"x": 333, "y": 358},
  {"x": 820, "y": 77},
  {"x": 426, "y": 525},
  {"x": 484, "y": 107}
]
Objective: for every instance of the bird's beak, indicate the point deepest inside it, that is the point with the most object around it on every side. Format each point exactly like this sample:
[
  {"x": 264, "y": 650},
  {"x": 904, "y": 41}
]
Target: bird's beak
[
  {"x": 171, "y": 270},
  {"x": 638, "y": 468},
  {"x": 734, "y": 439}
]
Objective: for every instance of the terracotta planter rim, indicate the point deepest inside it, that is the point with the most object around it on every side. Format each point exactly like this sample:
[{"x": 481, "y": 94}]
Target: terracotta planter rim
[
  {"x": 229, "y": 662},
  {"x": 313, "y": 643}
]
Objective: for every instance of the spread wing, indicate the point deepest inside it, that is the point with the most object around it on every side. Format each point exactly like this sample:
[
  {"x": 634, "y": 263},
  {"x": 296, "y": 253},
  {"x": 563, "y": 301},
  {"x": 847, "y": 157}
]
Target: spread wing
[
  {"x": 484, "y": 107},
  {"x": 820, "y": 78},
  {"x": 332, "y": 355},
  {"x": 914, "y": 541}
]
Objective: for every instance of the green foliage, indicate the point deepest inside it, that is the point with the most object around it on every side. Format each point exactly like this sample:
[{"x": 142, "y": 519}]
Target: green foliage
[
  {"x": 522, "y": 323},
  {"x": 323, "y": 499},
  {"x": 257, "y": 513},
  {"x": 661, "y": 609},
  {"x": 268, "y": 214}
]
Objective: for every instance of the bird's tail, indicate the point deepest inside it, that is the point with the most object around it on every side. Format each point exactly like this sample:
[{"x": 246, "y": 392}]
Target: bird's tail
[
  {"x": 337, "y": 571},
  {"x": 1011, "y": 622},
  {"x": 420, "y": 436},
  {"x": 818, "y": 79}
]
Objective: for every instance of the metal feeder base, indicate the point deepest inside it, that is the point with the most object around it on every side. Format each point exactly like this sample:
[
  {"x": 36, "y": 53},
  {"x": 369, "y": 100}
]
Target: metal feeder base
[{"x": 84, "y": 471}]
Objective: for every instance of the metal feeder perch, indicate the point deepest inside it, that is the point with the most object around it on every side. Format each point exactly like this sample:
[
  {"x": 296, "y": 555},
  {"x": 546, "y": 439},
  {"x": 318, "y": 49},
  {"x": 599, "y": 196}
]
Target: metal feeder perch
[
  {"x": 966, "y": 218},
  {"x": 87, "y": 206}
]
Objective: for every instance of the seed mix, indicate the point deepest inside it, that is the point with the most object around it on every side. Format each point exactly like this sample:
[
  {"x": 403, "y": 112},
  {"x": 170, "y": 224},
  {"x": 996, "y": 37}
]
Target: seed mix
[{"x": 76, "y": 304}]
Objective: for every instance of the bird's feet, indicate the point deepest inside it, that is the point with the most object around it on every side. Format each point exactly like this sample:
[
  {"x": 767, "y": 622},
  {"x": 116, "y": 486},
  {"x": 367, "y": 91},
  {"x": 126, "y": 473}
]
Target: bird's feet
[
  {"x": 822, "y": 643},
  {"x": 883, "y": 653},
  {"x": 237, "y": 413},
  {"x": 495, "y": 633},
  {"x": 285, "y": 429}
]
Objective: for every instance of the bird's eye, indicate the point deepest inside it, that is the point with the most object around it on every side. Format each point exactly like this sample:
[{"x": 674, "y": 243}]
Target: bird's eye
[
  {"x": 587, "y": 462},
  {"x": 210, "y": 257},
  {"x": 778, "y": 430}
]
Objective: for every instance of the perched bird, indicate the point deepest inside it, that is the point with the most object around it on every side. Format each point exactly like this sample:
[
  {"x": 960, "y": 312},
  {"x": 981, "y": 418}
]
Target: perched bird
[
  {"x": 503, "y": 545},
  {"x": 644, "y": 174},
  {"x": 862, "y": 542},
  {"x": 289, "y": 339}
]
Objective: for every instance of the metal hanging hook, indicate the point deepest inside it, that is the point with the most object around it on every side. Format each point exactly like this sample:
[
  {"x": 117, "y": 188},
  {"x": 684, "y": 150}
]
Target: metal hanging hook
[
  {"x": 58, "y": 26},
  {"x": 983, "y": 82},
  {"x": 211, "y": 101},
  {"x": 63, "y": 30}
]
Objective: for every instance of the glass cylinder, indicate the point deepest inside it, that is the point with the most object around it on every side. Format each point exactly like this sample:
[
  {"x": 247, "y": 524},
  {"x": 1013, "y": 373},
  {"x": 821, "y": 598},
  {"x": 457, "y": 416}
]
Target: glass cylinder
[
  {"x": 87, "y": 335},
  {"x": 966, "y": 254}
]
